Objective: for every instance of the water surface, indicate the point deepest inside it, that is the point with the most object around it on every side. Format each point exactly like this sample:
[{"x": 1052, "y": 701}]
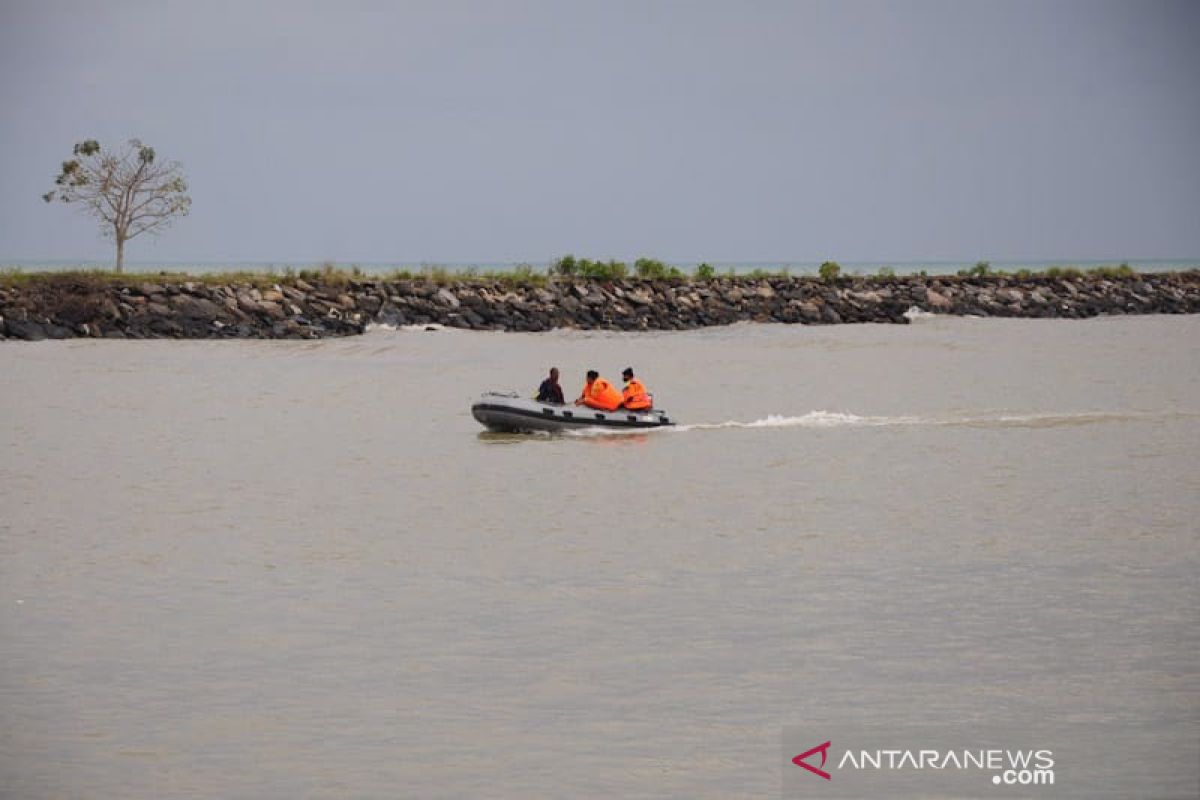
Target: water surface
[{"x": 281, "y": 569}]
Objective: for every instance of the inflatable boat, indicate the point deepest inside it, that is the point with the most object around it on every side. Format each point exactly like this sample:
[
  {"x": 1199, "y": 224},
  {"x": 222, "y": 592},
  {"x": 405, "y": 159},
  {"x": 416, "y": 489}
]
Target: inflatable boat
[{"x": 515, "y": 414}]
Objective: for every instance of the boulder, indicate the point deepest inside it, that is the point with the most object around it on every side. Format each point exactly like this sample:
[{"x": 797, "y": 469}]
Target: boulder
[
  {"x": 447, "y": 298},
  {"x": 867, "y": 297},
  {"x": 194, "y": 307},
  {"x": 272, "y": 309},
  {"x": 938, "y": 300},
  {"x": 809, "y": 312},
  {"x": 25, "y": 329},
  {"x": 57, "y": 331}
]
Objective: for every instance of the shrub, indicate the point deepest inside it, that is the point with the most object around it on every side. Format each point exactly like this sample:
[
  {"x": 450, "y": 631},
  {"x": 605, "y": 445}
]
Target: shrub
[
  {"x": 565, "y": 266},
  {"x": 829, "y": 271},
  {"x": 569, "y": 266},
  {"x": 651, "y": 268},
  {"x": 602, "y": 270},
  {"x": 981, "y": 270},
  {"x": 1122, "y": 271},
  {"x": 1063, "y": 272},
  {"x": 705, "y": 272},
  {"x": 885, "y": 272}
]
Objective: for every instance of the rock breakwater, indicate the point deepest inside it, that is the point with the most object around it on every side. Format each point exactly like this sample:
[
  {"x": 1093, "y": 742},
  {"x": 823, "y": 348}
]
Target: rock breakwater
[{"x": 43, "y": 306}]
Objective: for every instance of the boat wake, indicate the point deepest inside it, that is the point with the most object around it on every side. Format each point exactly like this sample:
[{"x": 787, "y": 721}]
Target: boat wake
[
  {"x": 838, "y": 419},
  {"x": 813, "y": 419}
]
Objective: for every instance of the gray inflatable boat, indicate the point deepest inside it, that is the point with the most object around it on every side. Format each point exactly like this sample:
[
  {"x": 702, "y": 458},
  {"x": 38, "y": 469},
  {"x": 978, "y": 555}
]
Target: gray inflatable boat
[{"x": 513, "y": 413}]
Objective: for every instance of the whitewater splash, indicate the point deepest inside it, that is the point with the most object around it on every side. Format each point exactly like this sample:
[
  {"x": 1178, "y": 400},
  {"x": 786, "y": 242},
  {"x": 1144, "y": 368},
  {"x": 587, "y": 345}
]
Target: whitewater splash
[{"x": 374, "y": 327}]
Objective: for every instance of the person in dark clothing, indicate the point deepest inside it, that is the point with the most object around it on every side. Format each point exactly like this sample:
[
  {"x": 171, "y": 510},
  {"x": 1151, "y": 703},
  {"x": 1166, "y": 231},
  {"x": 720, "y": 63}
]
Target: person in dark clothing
[{"x": 550, "y": 391}]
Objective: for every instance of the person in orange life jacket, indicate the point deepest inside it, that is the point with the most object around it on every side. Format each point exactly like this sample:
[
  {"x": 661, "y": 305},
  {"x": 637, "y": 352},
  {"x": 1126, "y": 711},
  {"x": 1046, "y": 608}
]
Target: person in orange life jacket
[
  {"x": 635, "y": 397},
  {"x": 599, "y": 393}
]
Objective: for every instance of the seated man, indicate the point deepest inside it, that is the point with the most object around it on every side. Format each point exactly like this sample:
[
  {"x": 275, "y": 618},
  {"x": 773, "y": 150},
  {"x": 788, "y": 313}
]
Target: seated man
[
  {"x": 599, "y": 393},
  {"x": 635, "y": 397},
  {"x": 550, "y": 391}
]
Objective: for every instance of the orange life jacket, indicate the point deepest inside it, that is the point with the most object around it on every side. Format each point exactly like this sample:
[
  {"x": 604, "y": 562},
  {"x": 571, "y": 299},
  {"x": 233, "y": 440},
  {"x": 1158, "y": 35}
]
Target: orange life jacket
[
  {"x": 602, "y": 395},
  {"x": 635, "y": 397}
]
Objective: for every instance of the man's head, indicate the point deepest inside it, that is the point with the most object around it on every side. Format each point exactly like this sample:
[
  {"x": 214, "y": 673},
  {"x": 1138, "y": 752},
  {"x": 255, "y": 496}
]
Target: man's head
[
  {"x": 627, "y": 373},
  {"x": 592, "y": 375},
  {"x": 554, "y": 374}
]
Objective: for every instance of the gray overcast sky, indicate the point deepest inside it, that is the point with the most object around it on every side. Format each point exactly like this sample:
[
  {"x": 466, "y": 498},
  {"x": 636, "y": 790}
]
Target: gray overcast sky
[{"x": 503, "y": 131}]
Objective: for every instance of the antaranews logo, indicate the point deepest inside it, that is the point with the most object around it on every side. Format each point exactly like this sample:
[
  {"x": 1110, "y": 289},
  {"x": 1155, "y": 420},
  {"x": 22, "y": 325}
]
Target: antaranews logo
[
  {"x": 1009, "y": 767},
  {"x": 823, "y": 749}
]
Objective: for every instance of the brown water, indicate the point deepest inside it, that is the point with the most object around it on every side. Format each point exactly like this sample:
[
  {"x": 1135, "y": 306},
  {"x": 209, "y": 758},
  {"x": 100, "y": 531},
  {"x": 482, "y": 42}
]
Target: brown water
[{"x": 239, "y": 569}]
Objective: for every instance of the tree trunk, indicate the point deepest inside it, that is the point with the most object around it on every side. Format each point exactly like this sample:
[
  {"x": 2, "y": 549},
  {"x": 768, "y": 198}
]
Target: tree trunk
[{"x": 120, "y": 252}]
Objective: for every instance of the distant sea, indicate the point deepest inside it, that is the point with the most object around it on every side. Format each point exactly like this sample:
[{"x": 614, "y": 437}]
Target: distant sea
[{"x": 739, "y": 267}]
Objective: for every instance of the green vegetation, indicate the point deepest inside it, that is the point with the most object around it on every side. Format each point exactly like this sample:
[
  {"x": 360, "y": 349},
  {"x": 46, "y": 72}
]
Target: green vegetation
[
  {"x": 653, "y": 269},
  {"x": 759, "y": 274},
  {"x": 99, "y": 278},
  {"x": 329, "y": 274},
  {"x": 1063, "y": 272},
  {"x": 325, "y": 275},
  {"x": 981, "y": 270},
  {"x": 525, "y": 273},
  {"x": 1122, "y": 270},
  {"x": 520, "y": 275},
  {"x": 570, "y": 267}
]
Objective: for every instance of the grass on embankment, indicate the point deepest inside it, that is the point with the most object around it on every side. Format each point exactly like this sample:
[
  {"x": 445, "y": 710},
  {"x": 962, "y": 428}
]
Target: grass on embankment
[
  {"x": 566, "y": 268},
  {"x": 325, "y": 275}
]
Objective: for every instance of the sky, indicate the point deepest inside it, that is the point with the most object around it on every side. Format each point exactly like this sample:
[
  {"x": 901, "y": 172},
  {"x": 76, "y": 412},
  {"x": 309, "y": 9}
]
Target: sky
[{"x": 450, "y": 132}]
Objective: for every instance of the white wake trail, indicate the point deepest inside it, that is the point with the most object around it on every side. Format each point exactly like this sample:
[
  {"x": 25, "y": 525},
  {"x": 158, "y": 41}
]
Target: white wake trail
[
  {"x": 813, "y": 419},
  {"x": 840, "y": 419}
]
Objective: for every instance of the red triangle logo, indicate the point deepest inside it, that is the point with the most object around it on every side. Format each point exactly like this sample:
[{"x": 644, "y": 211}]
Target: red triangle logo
[{"x": 823, "y": 750}]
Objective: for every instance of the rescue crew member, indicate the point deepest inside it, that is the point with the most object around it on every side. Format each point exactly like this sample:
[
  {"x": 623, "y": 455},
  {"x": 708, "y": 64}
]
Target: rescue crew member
[
  {"x": 550, "y": 391},
  {"x": 599, "y": 393},
  {"x": 635, "y": 397}
]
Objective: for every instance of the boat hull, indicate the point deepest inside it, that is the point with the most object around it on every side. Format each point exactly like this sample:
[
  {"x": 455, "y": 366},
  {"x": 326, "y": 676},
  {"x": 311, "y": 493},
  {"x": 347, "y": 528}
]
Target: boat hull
[{"x": 508, "y": 413}]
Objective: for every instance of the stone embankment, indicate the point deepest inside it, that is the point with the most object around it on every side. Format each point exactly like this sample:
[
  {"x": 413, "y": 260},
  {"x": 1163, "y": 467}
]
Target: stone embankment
[{"x": 49, "y": 306}]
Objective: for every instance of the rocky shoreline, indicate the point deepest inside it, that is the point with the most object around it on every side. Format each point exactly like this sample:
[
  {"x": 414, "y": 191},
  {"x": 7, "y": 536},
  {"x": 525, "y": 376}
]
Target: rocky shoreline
[{"x": 52, "y": 306}]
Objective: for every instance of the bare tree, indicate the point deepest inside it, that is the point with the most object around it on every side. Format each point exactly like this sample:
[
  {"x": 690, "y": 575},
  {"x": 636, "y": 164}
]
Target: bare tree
[{"x": 128, "y": 191}]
